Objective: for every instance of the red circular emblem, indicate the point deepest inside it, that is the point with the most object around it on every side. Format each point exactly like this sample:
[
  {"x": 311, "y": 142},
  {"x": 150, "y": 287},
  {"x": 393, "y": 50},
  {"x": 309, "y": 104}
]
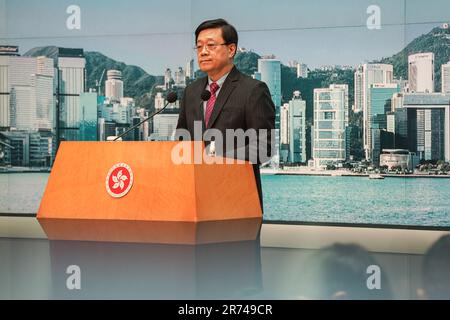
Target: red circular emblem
[{"x": 119, "y": 180}]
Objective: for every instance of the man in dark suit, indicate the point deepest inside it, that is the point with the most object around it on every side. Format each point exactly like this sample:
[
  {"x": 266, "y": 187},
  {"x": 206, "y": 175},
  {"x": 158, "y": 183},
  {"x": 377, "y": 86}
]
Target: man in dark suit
[{"x": 237, "y": 101}]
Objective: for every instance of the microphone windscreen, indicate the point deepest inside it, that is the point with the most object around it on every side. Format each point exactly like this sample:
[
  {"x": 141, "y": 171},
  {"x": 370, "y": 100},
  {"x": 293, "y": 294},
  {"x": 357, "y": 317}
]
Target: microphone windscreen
[
  {"x": 206, "y": 95},
  {"x": 172, "y": 97}
]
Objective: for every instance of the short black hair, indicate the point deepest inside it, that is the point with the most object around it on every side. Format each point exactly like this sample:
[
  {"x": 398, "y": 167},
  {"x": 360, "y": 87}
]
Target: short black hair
[{"x": 229, "y": 33}]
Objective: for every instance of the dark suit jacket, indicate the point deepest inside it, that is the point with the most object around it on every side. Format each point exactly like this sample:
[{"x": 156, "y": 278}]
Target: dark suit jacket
[{"x": 243, "y": 103}]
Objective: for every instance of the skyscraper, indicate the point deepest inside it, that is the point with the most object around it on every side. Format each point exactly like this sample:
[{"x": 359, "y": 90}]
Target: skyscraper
[
  {"x": 190, "y": 69},
  {"x": 27, "y": 100},
  {"x": 159, "y": 101},
  {"x": 269, "y": 71},
  {"x": 428, "y": 125},
  {"x": 88, "y": 116},
  {"x": 421, "y": 72},
  {"x": 29, "y": 148},
  {"x": 284, "y": 124},
  {"x": 71, "y": 82},
  {"x": 359, "y": 85},
  {"x": 345, "y": 88},
  {"x": 6, "y": 52},
  {"x": 180, "y": 77},
  {"x": 164, "y": 125},
  {"x": 381, "y": 103},
  {"x": 329, "y": 126},
  {"x": 284, "y": 133},
  {"x": 397, "y": 101},
  {"x": 114, "y": 86},
  {"x": 167, "y": 79},
  {"x": 297, "y": 129},
  {"x": 445, "y": 74},
  {"x": 390, "y": 122},
  {"x": 365, "y": 76}
]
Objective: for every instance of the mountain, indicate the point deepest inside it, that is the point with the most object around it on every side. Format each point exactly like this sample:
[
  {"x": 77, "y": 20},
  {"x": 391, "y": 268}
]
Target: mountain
[
  {"x": 436, "y": 41},
  {"x": 247, "y": 62},
  {"x": 138, "y": 84},
  {"x": 49, "y": 52}
]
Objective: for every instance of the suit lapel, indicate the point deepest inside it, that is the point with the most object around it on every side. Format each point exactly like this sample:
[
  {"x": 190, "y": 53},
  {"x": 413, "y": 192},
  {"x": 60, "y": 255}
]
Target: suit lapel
[
  {"x": 227, "y": 88},
  {"x": 198, "y": 111}
]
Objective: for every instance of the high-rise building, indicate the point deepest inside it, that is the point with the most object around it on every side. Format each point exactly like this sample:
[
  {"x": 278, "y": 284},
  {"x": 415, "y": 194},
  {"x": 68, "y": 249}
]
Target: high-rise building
[
  {"x": 359, "y": 90},
  {"x": 101, "y": 123},
  {"x": 381, "y": 139},
  {"x": 88, "y": 116},
  {"x": 421, "y": 72},
  {"x": 114, "y": 86},
  {"x": 168, "y": 79},
  {"x": 5, "y": 53},
  {"x": 329, "y": 126},
  {"x": 26, "y": 85},
  {"x": 403, "y": 136},
  {"x": 164, "y": 125},
  {"x": 345, "y": 88},
  {"x": 445, "y": 78},
  {"x": 159, "y": 101},
  {"x": 297, "y": 129},
  {"x": 29, "y": 148},
  {"x": 403, "y": 85},
  {"x": 380, "y": 102},
  {"x": 427, "y": 125},
  {"x": 397, "y": 101},
  {"x": 284, "y": 124},
  {"x": 43, "y": 87},
  {"x": 180, "y": 77},
  {"x": 116, "y": 112},
  {"x": 269, "y": 71},
  {"x": 71, "y": 82},
  {"x": 284, "y": 133},
  {"x": 365, "y": 76},
  {"x": 190, "y": 69},
  {"x": 390, "y": 122},
  {"x": 143, "y": 129},
  {"x": 121, "y": 114}
]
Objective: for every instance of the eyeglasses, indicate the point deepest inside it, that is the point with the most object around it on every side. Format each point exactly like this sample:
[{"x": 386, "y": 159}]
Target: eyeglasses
[{"x": 209, "y": 46}]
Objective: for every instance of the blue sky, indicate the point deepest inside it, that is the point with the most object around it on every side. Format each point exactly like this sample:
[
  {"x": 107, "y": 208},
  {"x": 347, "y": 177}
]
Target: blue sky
[{"x": 156, "y": 34}]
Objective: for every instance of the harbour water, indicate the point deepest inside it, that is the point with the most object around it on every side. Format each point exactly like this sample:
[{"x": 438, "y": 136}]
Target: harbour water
[{"x": 326, "y": 199}]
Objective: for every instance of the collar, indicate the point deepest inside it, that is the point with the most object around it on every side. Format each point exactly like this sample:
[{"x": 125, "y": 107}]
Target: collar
[{"x": 220, "y": 81}]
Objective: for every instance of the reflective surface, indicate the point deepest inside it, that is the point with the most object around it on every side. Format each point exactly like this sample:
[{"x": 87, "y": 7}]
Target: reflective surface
[{"x": 281, "y": 262}]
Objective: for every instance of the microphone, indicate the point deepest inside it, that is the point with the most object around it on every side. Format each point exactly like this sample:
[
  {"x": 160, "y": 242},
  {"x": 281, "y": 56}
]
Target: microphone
[
  {"x": 206, "y": 95},
  {"x": 171, "y": 98}
]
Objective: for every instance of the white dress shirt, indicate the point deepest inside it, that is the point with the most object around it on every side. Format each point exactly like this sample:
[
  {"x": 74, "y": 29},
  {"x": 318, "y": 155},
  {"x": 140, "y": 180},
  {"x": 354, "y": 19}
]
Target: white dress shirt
[{"x": 220, "y": 83}]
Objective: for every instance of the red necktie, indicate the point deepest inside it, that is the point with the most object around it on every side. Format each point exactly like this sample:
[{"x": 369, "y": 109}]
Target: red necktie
[{"x": 213, "y": 87}]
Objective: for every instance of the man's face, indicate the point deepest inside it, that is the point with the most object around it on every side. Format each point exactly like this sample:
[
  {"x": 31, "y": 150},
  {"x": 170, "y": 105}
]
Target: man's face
[{"x": 212, "y": 53}]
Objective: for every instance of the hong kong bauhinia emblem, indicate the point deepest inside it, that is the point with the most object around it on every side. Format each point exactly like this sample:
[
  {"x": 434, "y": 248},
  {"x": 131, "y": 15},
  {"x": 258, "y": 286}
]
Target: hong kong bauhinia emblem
[{"x": 119, "y": 180}]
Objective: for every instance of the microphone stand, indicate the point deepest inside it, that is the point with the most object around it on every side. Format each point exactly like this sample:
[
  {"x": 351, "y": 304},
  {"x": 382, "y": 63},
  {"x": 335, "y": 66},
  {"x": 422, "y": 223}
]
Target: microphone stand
[{"x": 145, "y": 120}]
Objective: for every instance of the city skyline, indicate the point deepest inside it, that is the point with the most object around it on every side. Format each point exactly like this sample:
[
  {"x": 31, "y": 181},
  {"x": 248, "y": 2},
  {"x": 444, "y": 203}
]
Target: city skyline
[
  {"x": 356, "y": 46},
  {"x": 153, "y": 43},
  {"x": 380, "y": 92}
]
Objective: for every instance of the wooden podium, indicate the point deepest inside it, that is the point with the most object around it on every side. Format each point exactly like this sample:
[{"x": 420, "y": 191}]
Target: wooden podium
[{"x": 121, "y": 182}]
